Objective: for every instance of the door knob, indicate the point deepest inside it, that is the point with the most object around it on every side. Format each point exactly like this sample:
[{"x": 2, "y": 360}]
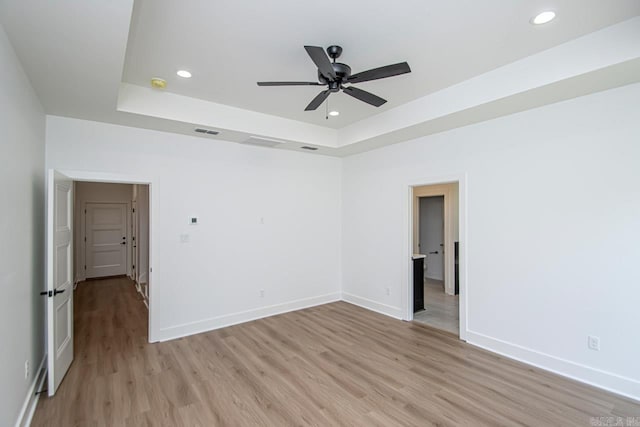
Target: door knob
[
  {"x": 56, "y": 292},
  {"x": 123, "y": 243},
  {"x": 433, "y": 252}
]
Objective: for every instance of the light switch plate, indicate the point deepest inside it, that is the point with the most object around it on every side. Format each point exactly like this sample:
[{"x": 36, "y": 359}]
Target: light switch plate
[{"x": 193, "y": 220}]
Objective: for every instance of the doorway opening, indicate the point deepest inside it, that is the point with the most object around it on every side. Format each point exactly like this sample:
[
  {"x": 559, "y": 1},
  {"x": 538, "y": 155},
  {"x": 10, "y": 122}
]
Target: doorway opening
[
  {"x": 92, "y": 234},
  {"x": 111, "y": 229},
  {"x": 435, "y": 257}
]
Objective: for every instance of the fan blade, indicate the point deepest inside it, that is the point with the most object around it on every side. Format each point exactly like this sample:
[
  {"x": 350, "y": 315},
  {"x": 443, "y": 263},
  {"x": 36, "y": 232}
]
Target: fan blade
[
  {"x": 322, "y": 61},
  {"x": 289, "y": 84},
  {"x": 318, "y": 100},
  {"x": 364, "y": 96},
  {"x": 380, "y": 73}
]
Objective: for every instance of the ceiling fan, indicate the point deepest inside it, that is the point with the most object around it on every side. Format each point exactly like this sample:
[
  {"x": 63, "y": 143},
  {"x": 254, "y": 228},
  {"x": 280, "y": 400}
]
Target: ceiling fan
[{"x": 335, "y": 75}]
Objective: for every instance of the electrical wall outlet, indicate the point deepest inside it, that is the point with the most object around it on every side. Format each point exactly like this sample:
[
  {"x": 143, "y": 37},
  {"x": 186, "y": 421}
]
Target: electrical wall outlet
[
  {"x": 593, "y": 342},
  {"x": 261, "y": 293},
  {"x": 388, "y": 291},
  {"x": 26, "y": 369}
]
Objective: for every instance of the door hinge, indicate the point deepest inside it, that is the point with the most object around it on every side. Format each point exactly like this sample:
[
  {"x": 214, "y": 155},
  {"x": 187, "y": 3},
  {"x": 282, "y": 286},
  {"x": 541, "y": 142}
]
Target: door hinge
[
  {"x": 133, "y": 266},
  {"x": 133, "y": 210},
  {"x": 85, "y": 238},
  {"x": 85, "y": 211},
  {"x": 85, "y": 267}
]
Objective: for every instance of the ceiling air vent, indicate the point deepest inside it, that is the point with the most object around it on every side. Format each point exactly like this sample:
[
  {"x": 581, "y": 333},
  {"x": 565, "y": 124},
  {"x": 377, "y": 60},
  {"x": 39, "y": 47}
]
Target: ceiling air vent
[
  {"x": 306, "y": 147},
  {"x": 262, "y": 142},
  {"x": 207, "y": 131}
]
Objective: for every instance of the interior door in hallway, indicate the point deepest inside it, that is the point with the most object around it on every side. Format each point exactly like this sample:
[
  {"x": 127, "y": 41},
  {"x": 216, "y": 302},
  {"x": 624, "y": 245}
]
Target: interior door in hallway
[
  {"x": 59, "y": 291},
  {"x": 106, "y": 239},
  {"x": 432, "y": 235}
]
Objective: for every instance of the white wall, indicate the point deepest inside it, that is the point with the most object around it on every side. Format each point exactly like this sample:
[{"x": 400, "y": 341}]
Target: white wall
[
  {"x": 103, "y": 192},
  {"x": 22, "y": 135},
  {"x": 547, "y": 265},
  {"x": 87, "y": 192},
  {"x": 215, "y": 279}
]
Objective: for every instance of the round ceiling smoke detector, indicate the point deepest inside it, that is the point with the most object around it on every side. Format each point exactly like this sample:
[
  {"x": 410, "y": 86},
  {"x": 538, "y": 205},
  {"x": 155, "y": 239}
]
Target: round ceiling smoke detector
[{"x": 158, "y": 83}]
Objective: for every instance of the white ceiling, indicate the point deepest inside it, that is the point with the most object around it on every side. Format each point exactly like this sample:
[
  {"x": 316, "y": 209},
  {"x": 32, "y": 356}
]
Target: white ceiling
[
  {"x": 93, "y": 60},
  {"x": 71, "y": 50},
  {"x": 230, "y": 45}
]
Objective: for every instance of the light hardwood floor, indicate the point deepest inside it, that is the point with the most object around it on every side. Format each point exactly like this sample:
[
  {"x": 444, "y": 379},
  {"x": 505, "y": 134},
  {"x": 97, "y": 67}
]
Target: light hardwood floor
[
  {"x": 335, "y": 364},
  {"x": 440, "y": 310}
]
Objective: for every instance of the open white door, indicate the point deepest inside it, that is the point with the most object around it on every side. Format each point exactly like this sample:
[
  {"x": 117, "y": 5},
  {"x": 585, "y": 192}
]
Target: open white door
[{"x": 59, "y": 277}]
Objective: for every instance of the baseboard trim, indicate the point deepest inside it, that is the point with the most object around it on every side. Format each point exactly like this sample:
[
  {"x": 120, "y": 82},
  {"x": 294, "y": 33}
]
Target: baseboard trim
[
  {"x": 31, "y": 400},
  {"x": 387, "y": 310},
  {"x": 609, "y": 381},
  {"x": 205, "y": 325}
]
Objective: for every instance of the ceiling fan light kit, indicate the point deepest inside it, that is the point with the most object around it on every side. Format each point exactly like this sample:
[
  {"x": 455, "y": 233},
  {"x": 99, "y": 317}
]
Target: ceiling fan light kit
[{"x": 335, "y": 75}]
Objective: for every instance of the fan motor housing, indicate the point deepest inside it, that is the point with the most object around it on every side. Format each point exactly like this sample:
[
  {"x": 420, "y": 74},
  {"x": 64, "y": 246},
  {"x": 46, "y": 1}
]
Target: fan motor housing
[{"x": 342, "y": 71}]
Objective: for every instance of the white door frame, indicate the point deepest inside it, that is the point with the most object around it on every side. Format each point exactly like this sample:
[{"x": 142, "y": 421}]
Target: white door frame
[
  {"x": 115, "y": 178},
  {"x": 132, "y": 238},
  {"x": 461, "y": 179}
]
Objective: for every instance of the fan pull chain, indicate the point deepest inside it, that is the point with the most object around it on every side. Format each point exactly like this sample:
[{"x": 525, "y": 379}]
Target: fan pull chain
[{"x": 326, "y": 113}]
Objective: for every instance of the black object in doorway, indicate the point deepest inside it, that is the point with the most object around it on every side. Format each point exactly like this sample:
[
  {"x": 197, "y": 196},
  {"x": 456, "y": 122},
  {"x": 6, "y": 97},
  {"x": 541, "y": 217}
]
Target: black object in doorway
[
  {"x": 418, "y": 283},
  {"x": 456, "y": 246}
]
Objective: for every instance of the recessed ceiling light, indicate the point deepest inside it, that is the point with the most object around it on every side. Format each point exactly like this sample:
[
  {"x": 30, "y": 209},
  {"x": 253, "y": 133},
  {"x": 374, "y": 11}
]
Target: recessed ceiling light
[
  {"x": 184, "y": 74},
  {"x": 543, "y": 18},
  {"x": 334, "y": 113}
]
